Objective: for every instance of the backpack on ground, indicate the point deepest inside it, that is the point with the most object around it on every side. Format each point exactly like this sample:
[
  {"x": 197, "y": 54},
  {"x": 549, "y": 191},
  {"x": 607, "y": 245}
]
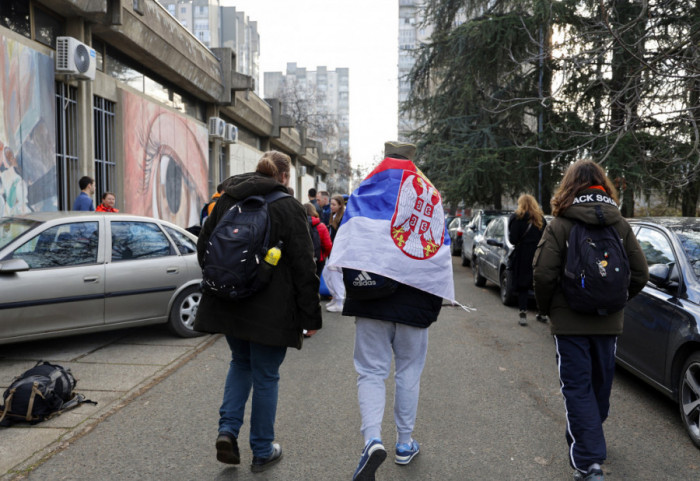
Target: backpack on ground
[
  {"x": 236, "y": 248},
  {"x": 597, "y": 272},
  {"x": 40, "y": 393},
  {"x": 315, "y": 239}
]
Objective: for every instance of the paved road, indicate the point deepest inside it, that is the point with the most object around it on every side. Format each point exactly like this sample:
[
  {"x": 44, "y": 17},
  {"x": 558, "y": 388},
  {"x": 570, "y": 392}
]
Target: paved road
[{"x": 490, "y": 410}]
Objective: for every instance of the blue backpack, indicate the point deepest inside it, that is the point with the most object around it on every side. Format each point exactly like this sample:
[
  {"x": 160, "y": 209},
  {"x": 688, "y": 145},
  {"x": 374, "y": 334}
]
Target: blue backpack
[
  {"x": 236, "y": 248},
  {"x": 597, "y": 272}
]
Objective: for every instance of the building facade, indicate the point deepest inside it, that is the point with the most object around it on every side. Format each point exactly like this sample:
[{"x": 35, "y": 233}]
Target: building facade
[
  {"x": 135, "y": 113},
  {"x": 411, "y": 34}
]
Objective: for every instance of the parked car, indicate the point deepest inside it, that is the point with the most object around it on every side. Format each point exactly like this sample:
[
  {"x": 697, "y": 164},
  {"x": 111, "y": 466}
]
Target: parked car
[
  {"x": 661, "y": 339},
  {"x": 490, "y": 259},
  {"x": 64, "y": 273},
  {"x": 475, "y": 228},
  {"x": 455, "y": 229}
]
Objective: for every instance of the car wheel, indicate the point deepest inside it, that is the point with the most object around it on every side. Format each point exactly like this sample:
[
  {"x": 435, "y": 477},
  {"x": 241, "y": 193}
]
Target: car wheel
[
  {"x": 479, "y": 280},
  {"x": 507, "y": 295},
  {"x": 689, "y": 397},
  {"x": 183, "y": 313}
]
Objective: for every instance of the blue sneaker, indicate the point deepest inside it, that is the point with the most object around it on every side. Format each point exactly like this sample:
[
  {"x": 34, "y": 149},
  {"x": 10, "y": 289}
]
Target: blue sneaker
[
  {"x": 406, "y": 451},
  {"x": 373, "y": 455}
]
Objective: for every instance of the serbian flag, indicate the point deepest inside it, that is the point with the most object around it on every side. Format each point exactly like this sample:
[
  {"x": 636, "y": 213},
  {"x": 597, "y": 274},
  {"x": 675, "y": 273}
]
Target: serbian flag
[{"x": 394, "y": 225}]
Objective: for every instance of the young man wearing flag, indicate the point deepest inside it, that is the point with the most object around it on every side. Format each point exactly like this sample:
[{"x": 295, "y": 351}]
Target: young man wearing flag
[{"x": 393, "y": 235}]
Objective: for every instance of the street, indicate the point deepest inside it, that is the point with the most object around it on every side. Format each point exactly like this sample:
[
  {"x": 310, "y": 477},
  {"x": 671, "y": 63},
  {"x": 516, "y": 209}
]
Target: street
[{"x": 490, "y": 409}]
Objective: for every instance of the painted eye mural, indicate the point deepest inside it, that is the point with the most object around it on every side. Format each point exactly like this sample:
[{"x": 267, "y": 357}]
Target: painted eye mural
[{"x": 166, "y": 162}]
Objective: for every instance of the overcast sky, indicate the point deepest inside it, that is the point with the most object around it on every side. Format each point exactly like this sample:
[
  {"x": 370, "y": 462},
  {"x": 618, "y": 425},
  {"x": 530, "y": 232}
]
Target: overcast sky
[{"x": 361, "y": 35}]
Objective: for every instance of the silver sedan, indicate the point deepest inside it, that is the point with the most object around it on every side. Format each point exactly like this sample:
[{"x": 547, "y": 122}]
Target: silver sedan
[{"x": 65, "y": 273}]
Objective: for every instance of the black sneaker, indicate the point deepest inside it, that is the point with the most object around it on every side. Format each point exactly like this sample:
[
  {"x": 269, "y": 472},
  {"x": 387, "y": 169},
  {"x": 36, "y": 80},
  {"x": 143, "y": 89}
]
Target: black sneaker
[
  {"x": 594, "y": 473},
  {"x": 542, "y": 318},
  {"x": 522, "y": 320},
  {"x": 227, "y": 449},
  {"x": 261, "y": 464}
]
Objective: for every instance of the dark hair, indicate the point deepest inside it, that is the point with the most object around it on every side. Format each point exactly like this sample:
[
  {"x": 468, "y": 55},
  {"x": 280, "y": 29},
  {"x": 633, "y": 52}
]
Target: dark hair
[
  {"x": 580, "y": 175},
  {"x": 273, "y": 164},
  {"x": 310, "y": 209},
  {"x": 85, "y": 181},
  {"x": 220, "y": 188},
  {"x": 105, "y": 194},
  {"x": 312, "y": 192}
]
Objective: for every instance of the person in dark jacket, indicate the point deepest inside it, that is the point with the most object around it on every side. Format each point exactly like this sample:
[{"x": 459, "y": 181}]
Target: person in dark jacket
[
  {"x": 392, "y": 326},
  {"x": 260, "y": 328},
  {"x": 585, "y": 343},
  {"x": 323, "y": 234},
  {"x": 525, "y": 227}
]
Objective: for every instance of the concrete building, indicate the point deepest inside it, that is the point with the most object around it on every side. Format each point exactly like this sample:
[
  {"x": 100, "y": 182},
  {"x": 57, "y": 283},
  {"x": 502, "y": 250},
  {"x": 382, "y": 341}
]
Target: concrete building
[
  {"x": 411, "y": 35},
  {"x": 218, "y": 26},
  {"x": 326, "y": 95},
  {"x": 134, "y": 100}
]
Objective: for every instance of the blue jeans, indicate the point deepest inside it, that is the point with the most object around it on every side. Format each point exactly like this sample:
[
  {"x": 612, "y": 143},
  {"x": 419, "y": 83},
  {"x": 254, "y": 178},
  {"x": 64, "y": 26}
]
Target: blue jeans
[{"x": 252, "y": 366}]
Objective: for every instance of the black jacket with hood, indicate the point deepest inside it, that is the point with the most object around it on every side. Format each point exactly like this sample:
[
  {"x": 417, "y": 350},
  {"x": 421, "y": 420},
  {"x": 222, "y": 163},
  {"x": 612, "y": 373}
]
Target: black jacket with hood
[
  {"x": 550, "y": 258},
  {"x": 276, "y": 315}
]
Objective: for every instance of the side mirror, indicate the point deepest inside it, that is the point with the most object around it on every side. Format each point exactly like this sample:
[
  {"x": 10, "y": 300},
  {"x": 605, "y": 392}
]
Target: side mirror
[
  {"x": 11, "y": 266},
  {"x": 664, "y": 275}
]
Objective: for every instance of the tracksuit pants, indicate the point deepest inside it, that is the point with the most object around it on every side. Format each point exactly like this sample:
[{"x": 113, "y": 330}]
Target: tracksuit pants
[
  {"x": 375, "y": 342},
  {"x": 586, "y": 368}
]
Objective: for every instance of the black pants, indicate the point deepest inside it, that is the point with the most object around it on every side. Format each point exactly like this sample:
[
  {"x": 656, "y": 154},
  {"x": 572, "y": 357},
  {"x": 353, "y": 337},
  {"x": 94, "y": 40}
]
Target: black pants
[{"x": 523, "y": 294}]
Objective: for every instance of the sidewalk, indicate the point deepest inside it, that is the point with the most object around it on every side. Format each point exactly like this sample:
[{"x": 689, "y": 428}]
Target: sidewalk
[{"x": 111, "y": 368}]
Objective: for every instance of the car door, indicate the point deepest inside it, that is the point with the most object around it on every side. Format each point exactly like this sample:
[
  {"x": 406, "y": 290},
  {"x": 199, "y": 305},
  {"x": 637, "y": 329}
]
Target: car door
[
  {"x": 143, "y": 272},
  {"x": 64, "y": 287},
  {"x": 652, "y": 314},
  {"x": 469, "y": 234},
  {"x": 491, "y": 262}
]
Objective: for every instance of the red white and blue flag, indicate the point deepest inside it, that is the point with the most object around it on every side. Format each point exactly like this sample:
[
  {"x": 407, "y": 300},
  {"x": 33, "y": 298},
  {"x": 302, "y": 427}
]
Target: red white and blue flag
[{"x": 394, "y": 225}]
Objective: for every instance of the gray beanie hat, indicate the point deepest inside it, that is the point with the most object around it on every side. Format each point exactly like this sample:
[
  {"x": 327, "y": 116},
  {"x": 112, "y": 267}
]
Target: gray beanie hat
[{"x": 403, "y": 149}]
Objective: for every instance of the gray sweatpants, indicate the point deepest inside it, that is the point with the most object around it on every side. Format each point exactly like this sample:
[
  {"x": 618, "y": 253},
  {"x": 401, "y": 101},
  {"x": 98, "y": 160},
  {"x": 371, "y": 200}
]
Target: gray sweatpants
[{"x": 374, "y": 342}]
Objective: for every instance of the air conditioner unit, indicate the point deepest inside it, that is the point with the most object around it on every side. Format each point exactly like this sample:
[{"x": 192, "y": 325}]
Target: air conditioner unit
[
  {"x": 231, "y": 134},
  {"x": 74, "y": 58},
  {"x": 217, "y": 128},
  {"x": 302, "y": 171}
]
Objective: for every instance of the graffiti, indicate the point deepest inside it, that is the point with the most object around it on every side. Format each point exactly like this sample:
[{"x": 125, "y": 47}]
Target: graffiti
[
  {"x": 166, "y": 162},
  {"x": 27, "y": 130}
]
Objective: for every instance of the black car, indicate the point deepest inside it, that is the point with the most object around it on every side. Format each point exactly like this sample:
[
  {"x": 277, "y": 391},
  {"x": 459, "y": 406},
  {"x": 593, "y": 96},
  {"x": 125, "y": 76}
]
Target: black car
[
  {"x": 490, "y": 258},
  {"x": 661, "y": 339},
  {"x": 456, "y": 230},
  {"x": 475, "y": 228}
]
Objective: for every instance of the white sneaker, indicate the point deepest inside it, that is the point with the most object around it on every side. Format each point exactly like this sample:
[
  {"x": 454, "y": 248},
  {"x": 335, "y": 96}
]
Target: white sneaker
[{"x": 334, "y": 306}]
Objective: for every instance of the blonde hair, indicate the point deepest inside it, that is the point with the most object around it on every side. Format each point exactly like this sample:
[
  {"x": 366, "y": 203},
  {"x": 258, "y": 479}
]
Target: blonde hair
[
  {"x": 580, "y": 175},
  {"x": 335, "y": 221},
  {"x": 527, "y": 204},
  {"x": 273, "y": 164},
  {"x": 310, "y": 209}
]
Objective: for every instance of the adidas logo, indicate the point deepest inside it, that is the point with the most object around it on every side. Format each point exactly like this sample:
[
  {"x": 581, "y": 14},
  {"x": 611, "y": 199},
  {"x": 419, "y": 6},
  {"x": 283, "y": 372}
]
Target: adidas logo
[{"x": 363, "y": 280}]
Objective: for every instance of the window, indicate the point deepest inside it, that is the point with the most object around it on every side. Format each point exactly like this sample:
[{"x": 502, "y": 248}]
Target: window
[
  {"x": 62, "y": 245},
  {"x": 105, "y": 158},
  {"x": 655, "y": 246},
  {"x": 67, "y": 144},
  {"x": 138, "y": 240},
  {"x": 14, "y": 14},
  {"x": 46, "y": 27},
  {"x": 184, "y": 244}
]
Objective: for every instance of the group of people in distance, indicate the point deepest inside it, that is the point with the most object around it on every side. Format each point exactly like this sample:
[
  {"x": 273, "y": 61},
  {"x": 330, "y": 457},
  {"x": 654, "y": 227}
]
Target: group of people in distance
[{"x": 84, "y": 200}]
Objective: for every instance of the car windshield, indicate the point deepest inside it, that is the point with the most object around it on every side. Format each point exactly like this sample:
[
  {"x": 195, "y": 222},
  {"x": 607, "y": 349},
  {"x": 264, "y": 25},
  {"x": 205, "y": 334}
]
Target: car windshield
[
  {"x": 11, "y": 228},
  {"x": 690, "y": 239}
]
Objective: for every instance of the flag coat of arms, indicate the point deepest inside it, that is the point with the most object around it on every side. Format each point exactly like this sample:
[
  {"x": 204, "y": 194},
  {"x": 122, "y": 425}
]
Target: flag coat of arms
[{"x": 394, "y": 225}]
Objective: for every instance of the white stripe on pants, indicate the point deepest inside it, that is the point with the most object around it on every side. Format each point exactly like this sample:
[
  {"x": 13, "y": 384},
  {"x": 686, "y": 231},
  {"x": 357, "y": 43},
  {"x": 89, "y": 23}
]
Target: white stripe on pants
[{"x": 374, "y": 342}]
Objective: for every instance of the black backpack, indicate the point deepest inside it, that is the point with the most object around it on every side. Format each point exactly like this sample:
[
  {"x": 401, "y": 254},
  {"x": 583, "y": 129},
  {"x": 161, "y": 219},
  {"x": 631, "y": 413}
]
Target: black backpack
[
  {"x": 364, "y": 285},
  {"x": 597, "y": 272},
  {"x": 40, "y": 393},
  {"x": 315, "y": 238},
  {"x": 236, "y": 248}
]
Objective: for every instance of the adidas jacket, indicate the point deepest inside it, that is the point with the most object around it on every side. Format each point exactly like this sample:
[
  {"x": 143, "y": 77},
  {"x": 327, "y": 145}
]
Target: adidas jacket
[{"x": 550, "y": 258}]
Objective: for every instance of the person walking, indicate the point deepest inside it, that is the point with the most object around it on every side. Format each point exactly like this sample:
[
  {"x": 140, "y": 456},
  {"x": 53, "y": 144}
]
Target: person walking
[
  {"x": 323, "y": 234},
  {"x": 585, "y": 343},
  {"x": 414, "y": 261},
  {"x": 260, "y": 328},
  {"x": 87, "y": 190},
  {"x": 108, "y": 201},
  {"x": 336, "y": 217},
  {"x": 312, "y": 200},
  {"x": 323, "y": 199},
  {"x": 525, "y": 227},
  {"x": 209, "y": 206}
]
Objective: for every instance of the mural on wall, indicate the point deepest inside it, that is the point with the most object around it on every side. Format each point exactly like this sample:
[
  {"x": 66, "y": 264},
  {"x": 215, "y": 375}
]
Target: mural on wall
[
  {"x": 27, "y": 130},
  {"x": 165, "y": 162}
]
